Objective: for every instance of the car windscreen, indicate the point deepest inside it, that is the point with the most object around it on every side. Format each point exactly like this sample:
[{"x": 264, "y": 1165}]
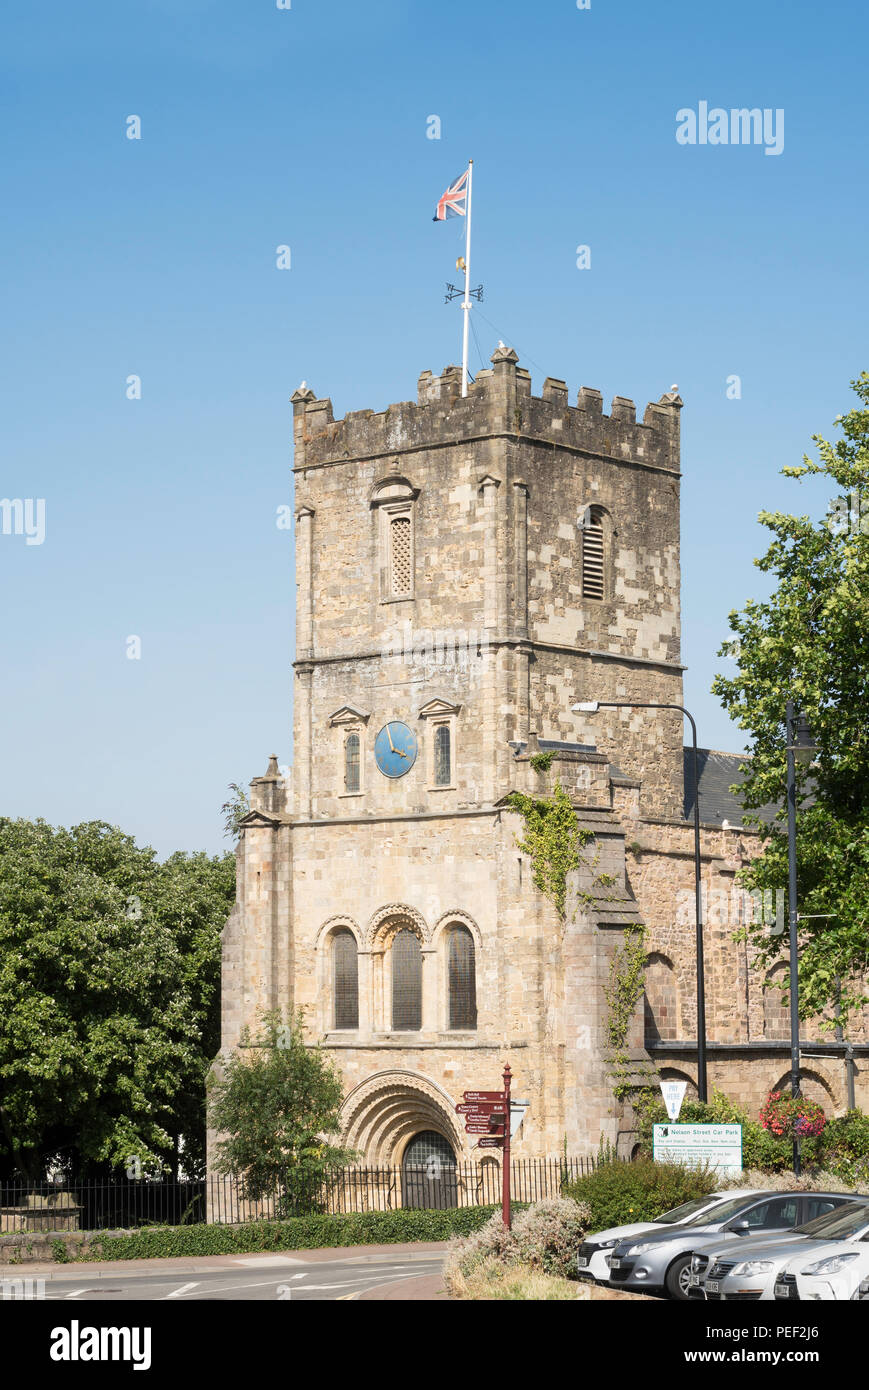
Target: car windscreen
[
  {"x": 723, "y": 1211},
  {"x": 845, "y": 1221},
  {"x": 686, "y": 1211}
]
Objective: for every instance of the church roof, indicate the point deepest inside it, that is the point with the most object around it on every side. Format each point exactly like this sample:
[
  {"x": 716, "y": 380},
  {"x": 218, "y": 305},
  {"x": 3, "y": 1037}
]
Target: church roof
[{"x": 717, "y": 773}]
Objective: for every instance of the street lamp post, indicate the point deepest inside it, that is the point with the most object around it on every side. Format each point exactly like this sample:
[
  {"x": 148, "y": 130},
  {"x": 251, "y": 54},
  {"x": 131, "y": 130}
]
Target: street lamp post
[
  {"x": 799, "y": 746},
  {"x": 591, "y": 707}
]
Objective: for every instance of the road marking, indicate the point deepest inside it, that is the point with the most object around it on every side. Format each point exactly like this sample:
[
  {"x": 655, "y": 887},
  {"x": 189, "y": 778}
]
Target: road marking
[
  {"x": 176, "y": 1293},
  {"x": 230, "y": 1288},
  {"x": 263, "y": 1260},
  {"x": 75, "y": 1293}
]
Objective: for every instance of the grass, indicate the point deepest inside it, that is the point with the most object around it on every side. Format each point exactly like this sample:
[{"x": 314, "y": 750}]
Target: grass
[{"x": 491, "y": 1280}]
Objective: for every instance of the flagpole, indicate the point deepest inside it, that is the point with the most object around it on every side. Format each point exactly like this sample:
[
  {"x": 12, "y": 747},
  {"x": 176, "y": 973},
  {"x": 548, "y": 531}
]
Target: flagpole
[{"x": 466, "y": 303}]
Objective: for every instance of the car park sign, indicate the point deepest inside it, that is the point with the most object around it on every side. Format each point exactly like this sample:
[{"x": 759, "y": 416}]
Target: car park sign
[{"x": 720, "y": 1146}]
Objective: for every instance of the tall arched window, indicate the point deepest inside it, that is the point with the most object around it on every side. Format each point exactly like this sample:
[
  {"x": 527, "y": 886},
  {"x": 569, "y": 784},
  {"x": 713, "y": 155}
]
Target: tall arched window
[
  {"x": 406, "y": 982},
  {"x": 462, "y": 979},
  {"x": 345, "y": 979},
  {"x": 351, "y": 763},
  {"x": 593, "y": 553},
  {"x": 442, "y": 756}
]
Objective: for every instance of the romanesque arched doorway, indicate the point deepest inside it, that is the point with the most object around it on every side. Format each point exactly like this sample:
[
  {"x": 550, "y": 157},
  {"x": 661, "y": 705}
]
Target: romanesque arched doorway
[{"x": 428, "y": 1172}]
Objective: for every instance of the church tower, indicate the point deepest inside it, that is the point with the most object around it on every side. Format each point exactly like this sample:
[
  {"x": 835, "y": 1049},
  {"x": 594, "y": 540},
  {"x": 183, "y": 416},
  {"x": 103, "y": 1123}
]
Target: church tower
[{"x": 466, "y": 570}]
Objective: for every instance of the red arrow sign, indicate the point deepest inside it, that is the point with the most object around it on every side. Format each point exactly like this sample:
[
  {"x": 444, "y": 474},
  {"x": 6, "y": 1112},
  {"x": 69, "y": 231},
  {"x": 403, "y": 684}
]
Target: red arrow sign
[
  {"x": 481, "y": 1108},
  {"x": 483, "y": 1095},
  {"x": 490, "y": 1144}
]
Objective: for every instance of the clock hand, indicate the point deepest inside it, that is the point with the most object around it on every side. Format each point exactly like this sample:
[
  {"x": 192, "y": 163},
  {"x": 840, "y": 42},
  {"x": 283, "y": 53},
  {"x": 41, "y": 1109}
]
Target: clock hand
[{"x": 389, "y": 736}]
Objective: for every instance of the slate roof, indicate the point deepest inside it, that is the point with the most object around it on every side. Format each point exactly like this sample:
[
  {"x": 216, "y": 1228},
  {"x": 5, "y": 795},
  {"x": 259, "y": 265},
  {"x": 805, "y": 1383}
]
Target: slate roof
[{"x": 717, "y": 773}]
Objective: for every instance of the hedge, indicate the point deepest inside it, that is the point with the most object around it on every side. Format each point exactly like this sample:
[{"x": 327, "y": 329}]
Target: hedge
[{"x": 296, "y": 1233}]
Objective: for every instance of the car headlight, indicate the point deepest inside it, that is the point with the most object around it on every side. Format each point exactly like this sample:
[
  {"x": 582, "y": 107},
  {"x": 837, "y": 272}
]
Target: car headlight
[
  {"x": 641, "y": 1249},
  {"x": 605, "y": 1244},
  {"x": 753, "y": 1267},
  {"x": 698, "y": 1262},
  {"x": 831, "y": 1265}
]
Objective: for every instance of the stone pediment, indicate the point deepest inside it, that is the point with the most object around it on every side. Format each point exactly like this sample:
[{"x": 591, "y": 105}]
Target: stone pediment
[
  {"x": 259, "y": 820},
  {"x": 348, "y": 714},
  {"x": 438, "y": 708}
]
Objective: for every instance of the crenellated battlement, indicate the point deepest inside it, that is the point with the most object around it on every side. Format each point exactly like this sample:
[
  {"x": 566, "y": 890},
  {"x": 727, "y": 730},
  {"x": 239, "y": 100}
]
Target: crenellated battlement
[{"x": 499, "y": 403}]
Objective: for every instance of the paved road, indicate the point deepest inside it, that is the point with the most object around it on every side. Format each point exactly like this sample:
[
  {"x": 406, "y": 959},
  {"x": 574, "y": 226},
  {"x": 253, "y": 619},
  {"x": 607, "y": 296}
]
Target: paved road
[{"x": 303, "y": 1277}]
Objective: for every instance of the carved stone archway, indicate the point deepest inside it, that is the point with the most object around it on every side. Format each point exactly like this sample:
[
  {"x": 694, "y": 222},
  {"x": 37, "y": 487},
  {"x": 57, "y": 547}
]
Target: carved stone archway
[{"x": 380, "y": 1117}]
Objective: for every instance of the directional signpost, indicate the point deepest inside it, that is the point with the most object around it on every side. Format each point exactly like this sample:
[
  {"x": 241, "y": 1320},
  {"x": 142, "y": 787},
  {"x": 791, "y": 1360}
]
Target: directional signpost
[{"x": 486, "y": 1113}]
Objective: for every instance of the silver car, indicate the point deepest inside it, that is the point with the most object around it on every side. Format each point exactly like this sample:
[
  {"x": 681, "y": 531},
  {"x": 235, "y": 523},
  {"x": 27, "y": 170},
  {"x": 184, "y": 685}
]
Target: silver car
[
  {"x": 661, "y": 1262},
  {"x": 592, "y": 1261},
  {"x": 749, "y": 1270}
]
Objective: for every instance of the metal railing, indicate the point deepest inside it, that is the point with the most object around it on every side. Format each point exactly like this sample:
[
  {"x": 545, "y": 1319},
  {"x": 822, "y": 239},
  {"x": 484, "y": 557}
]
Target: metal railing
[{"x": 96, "y": 1205}]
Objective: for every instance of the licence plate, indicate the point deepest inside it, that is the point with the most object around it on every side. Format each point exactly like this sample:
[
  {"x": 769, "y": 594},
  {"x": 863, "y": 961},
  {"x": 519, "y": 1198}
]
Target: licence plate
[
  {"x": 615, "y": 1262},
  {"x": 782, "y": 1291},
  {"x": 582, "y": 1261},
  {"x": 693, "y": 1280},
  {"x": 712, "y": 1285}
]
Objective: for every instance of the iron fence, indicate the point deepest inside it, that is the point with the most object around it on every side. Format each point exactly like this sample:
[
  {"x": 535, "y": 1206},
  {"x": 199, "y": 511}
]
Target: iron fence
[{"x": 95, "y": 1205}]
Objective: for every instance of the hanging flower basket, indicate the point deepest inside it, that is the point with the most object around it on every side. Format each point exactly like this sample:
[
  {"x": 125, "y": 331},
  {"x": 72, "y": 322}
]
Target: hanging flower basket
[{"x": 791, "y": 1117}]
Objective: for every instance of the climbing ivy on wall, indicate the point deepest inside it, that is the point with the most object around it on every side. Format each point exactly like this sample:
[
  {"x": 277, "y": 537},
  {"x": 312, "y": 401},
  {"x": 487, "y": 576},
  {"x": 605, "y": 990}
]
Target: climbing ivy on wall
[
  {"x": 622, "y": 993},
  {"x": 552, "y": 841}
]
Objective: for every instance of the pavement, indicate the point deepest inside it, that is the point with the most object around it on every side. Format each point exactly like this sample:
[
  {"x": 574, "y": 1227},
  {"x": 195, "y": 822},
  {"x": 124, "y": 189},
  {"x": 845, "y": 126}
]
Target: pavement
[{"x": 373, "y": 1272}]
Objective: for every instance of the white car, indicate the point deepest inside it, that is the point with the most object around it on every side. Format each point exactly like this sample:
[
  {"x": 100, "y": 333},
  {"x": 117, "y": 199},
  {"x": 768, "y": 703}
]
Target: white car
[
  {"x": 838, "y": 1270},
  {"x": 753, "y": 1269},
  {"x": 592, "y": 1262}
]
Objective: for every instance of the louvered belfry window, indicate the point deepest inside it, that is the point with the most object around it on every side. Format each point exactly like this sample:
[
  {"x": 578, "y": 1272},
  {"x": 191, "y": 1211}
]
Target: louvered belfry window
[
  {"x": 345, "y": 979},
  {"x": 442, "y": 762},
  {"x": 351, "y": 763},
  {"x": 462, "y": 979},
  {"x": 406, "y": 982},
  {"x": 400, "y": 554},
  {"x": 592, "y": 554}
]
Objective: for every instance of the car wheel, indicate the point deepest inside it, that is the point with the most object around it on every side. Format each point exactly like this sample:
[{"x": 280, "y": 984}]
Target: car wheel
[{"x": 676, "y": 1282}]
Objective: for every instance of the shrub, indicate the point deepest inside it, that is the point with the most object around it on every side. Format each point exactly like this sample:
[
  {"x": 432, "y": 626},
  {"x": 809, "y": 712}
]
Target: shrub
[
  {"x": 846, "y": 1146},
  {"x": 618, "y": 1193},
  {"x": 548, "y": 1235},
  {"x": 545, "y": 1239}
]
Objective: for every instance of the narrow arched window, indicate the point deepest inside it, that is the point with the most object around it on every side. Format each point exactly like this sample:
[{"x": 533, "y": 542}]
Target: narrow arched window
[
  {"x": 462, "y": 979},
  {"x": 442, "y": 756},
  {"x": 345, "y": 979},
  {"x": 400, "y": 555},
  {"x": 406, "y": 982},
  {"x": 351, "y": 763},
  {"x": 593, "y": 554}
]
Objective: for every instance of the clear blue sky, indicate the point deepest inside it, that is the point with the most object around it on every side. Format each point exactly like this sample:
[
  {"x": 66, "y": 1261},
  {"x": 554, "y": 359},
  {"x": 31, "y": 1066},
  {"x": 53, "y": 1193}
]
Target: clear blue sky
[{"x": 307, "y": 127}]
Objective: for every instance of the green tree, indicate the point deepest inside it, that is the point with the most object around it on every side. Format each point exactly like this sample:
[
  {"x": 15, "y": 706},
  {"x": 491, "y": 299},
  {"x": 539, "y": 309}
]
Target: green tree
[
  {"x": 810, "y": 642},
  {"x": 109, "y": 983},
  {"x": 276, "y": 1104},
  {"x": 234, "y": 810}
]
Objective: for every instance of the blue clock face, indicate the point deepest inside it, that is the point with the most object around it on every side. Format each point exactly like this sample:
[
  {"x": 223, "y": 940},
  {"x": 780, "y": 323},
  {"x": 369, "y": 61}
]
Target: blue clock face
[{"x": 395, "y": 749}]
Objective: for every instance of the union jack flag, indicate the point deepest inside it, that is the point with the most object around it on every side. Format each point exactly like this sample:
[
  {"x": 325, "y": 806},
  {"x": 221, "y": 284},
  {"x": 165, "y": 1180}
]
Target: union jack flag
[{"x": 454, "y": 202}]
